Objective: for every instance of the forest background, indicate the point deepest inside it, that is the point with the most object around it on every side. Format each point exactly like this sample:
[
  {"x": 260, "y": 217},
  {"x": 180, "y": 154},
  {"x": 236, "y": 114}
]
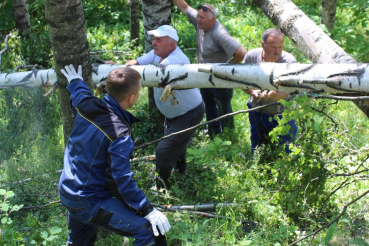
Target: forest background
[{"x": 318, "y": 190}]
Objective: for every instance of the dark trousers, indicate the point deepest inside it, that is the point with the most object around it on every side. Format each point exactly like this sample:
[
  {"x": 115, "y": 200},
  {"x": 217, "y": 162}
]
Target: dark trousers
[
  {"x": 218, "y": 103},
  {"x": 261, "y": 125},
  {"x": 171, "y": 152},
  {"x": 111, "y": 215}
]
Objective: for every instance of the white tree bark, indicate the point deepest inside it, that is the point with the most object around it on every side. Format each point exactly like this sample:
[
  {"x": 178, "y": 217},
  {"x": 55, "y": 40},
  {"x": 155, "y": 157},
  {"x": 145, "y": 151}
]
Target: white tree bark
[
  {"x": 328, "y": 13},
  {"x": 321, "y": 78}
]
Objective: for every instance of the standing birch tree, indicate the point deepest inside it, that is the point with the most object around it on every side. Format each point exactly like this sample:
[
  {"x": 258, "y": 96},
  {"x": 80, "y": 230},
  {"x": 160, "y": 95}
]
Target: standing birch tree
[
  {"x": 328, "y": 13},
  {"x": 135, "y": 21},
  {"x": 155, "y": 13},
  {"x": 21, "y": 16},
  {"x": 68, "y": 38}
]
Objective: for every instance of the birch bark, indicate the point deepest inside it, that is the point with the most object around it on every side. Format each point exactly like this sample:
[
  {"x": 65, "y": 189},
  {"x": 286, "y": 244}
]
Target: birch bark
[
  {"x": 69, "y": 43},
  {"x": 155, "y": 13},
  {"x": 21, "y": 16},
  {"x": 317, "y": 78},
  {"x": 328, "y": 13},
  {"x": 135, "y": 21}
]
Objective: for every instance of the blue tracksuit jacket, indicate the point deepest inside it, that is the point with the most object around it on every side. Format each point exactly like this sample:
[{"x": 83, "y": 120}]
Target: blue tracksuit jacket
[{"x": 97, "y": 155}]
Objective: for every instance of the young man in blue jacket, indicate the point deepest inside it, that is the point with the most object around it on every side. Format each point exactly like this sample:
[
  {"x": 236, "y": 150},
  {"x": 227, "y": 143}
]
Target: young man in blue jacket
[{"x": 97, "y": 185}]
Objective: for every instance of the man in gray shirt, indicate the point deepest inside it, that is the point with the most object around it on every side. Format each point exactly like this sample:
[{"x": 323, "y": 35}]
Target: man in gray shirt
[
  {"x": 214, "y": 45},
  {"x": 260, "y": 124}
]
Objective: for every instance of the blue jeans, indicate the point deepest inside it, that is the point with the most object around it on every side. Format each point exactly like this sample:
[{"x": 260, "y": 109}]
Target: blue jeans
[
  {"x": 223, "y": 96},
  {"x": 111, "y": 215},
  {"x": 260, "y": 126}
]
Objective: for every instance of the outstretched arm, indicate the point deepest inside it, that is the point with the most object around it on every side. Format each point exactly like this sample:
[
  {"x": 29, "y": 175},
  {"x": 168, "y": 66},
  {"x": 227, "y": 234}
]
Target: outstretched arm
[
  {"x": 132, "y": 62},
  {"x": 271, "y": 95},
  {"x": 276, "y": 95},
  {"x": 239, "y": 54},
  {"x": 182, "y": 5}
]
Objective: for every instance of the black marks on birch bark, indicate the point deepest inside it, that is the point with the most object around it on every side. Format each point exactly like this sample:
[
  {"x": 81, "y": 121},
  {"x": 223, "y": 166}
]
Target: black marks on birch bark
[
  {"x": 26, "y": 78},
  {"x": 237, "y": 81},
  {"x": 271, "y": 79},
  {"x": 302, "y": 71},
  {"x": 166, "y": 80},
  {"x": 300, "y": 86},
  {"x": 161, "y": 66},
  {"x": 342, "y": 89},
  {"x": 358, "y": 73},
  {"x": 211, "y": 78}
]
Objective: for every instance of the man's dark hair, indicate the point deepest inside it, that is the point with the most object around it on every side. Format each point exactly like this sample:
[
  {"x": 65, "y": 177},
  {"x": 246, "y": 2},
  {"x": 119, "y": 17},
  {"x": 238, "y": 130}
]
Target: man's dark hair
[
  {"x": 271, "y": 32},
  {"x": 122, "y": 82}
]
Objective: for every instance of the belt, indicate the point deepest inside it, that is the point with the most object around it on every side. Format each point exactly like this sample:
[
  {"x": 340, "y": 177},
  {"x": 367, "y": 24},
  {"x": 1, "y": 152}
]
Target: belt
[{"x": 188, "y": 112}]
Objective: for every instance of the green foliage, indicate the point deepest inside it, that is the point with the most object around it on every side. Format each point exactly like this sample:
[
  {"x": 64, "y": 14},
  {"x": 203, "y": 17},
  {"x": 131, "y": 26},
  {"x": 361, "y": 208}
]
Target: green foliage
[
  {"x": 351, "y": 27},
  {"x": 351, "y": 30},
  {"x": 111, "y": 11},
  {"x": 8, "y": 234},
  {"x": 281, "y": 192},
  {"x": 6, "y": 13},
  {"x": 113, "y": 38}
]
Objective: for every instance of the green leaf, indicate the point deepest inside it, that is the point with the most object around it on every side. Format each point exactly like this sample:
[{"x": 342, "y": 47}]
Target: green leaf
[
  {"x": 10, "y": 194},
  {"x": 2, "y": 192},
  {"x": 55, "y": 230},
  {"x": 44, "y": 234},
  {"x": 330, "y": 233},
  {"x": 5, "y": 207},
  {"x": 227, "y": 143},
  {"x": 52, "y": 237},
  {"x": 17, "y": 207},
  {"x": 4, "y": 220},
  {"x": 345, "y": 220}
]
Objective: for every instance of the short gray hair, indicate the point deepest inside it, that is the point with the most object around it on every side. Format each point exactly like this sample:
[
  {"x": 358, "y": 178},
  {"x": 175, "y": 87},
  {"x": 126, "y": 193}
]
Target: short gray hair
[
  {"x": 171, "y": 40},
  {"x": 271, "y": 32},
  {"x": 215, "y": 11}
]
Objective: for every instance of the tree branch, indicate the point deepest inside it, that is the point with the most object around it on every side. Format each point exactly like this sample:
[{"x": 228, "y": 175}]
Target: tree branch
[
  {"x": 310, "y": 95},
  {"x": 6, "y": 46},
  {"x": 43, "y": 206},
  {"x": 166, "y": 208},
  {"x": 333, "y": 221}
]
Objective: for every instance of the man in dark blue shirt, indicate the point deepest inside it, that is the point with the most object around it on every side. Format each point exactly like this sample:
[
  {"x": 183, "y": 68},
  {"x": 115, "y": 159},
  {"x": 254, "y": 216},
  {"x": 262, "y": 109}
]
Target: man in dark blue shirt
[{"x": 97, "y": 185}]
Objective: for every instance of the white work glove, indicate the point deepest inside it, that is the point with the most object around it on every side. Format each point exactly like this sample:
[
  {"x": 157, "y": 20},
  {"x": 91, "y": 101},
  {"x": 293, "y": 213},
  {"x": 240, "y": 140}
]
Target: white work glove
[
  {"x": 158, "y": 219},
  {"x": 71, "y": 74}
]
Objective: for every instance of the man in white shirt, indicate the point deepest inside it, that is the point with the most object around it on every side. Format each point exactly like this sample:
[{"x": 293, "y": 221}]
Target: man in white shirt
[{"x": 171, "y": 152}]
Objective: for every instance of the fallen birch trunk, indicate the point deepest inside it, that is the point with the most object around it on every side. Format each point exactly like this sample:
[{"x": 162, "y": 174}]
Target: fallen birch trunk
[{"x": 321, "y": 78}]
